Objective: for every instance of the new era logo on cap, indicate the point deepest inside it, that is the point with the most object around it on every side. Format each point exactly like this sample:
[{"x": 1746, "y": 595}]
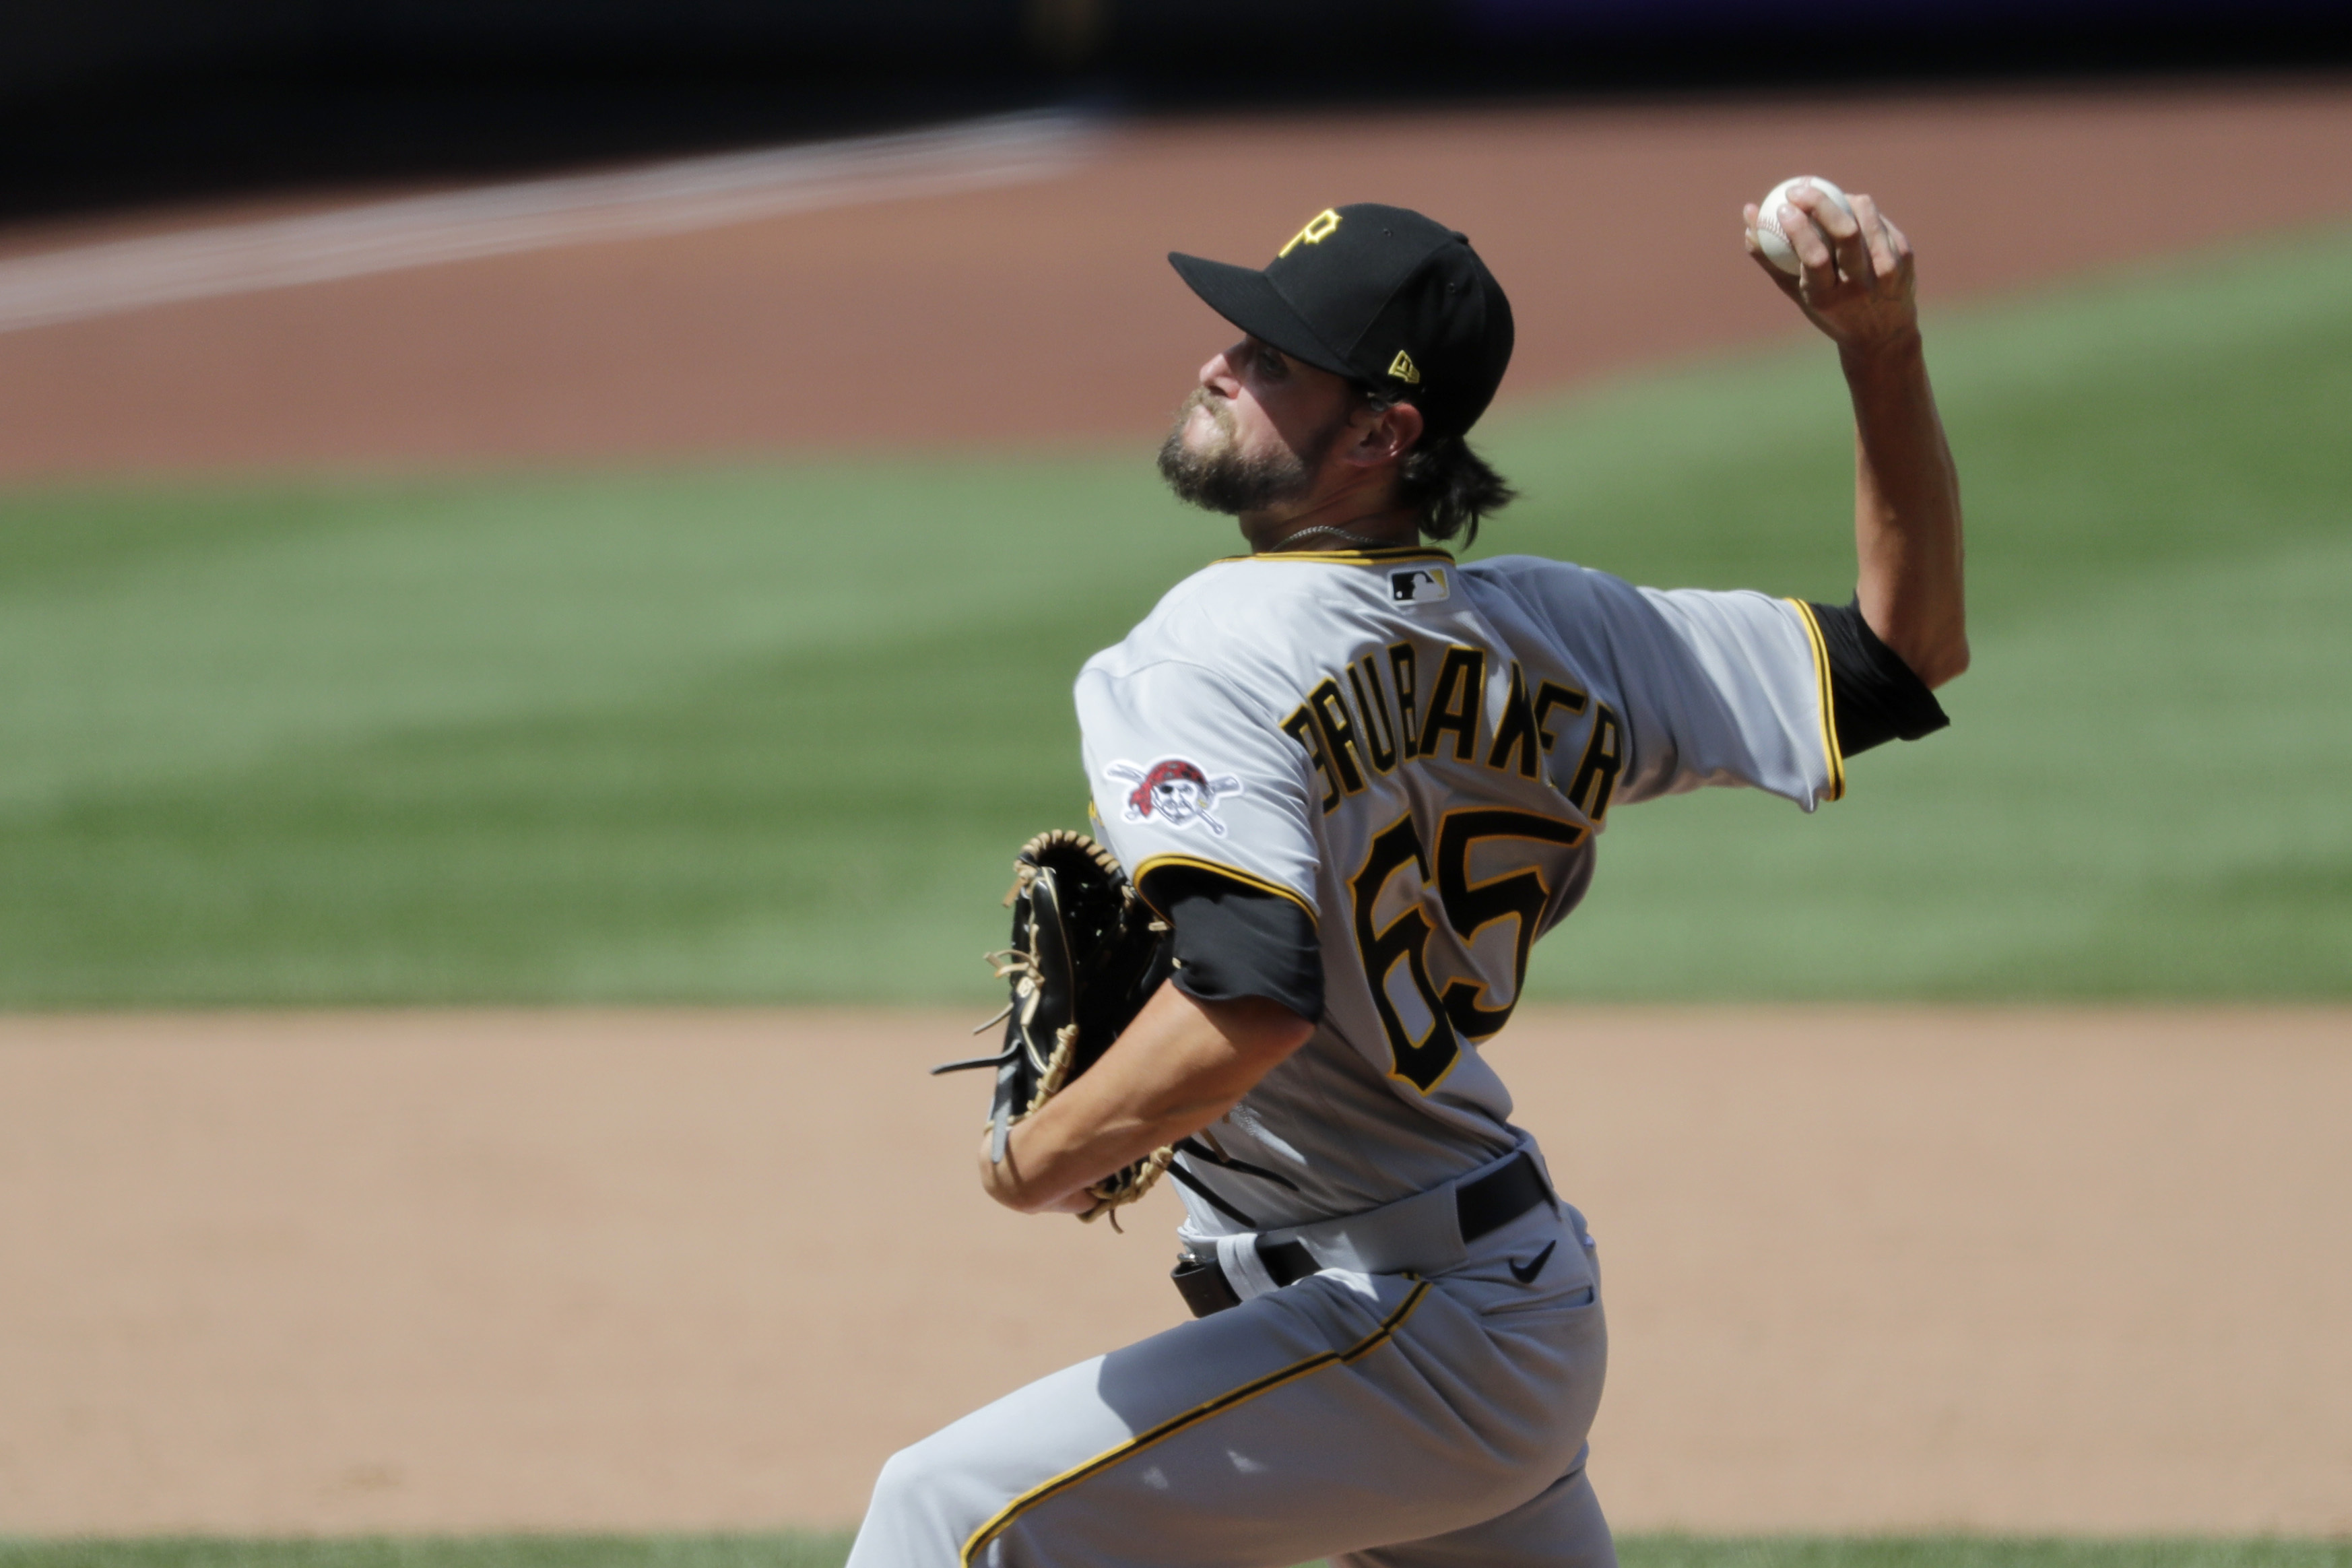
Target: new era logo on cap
[{"x": 1380, "y": 295}]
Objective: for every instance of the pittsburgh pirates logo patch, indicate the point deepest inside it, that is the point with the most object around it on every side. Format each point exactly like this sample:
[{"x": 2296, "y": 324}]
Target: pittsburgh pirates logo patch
[{"x": 1173, "y": 792}]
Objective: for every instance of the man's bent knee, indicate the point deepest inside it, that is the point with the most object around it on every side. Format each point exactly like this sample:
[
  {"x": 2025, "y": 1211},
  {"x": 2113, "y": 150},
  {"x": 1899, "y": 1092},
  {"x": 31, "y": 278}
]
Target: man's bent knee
[{"x": 924, "y": 1508}]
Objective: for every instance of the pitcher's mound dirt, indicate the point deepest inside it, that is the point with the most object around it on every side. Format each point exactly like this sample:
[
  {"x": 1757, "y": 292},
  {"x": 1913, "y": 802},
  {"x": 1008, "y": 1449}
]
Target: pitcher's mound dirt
[{"x": 1866, "y": 1270}]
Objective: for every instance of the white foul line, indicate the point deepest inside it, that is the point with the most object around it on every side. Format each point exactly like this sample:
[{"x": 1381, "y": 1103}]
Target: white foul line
[{"x": 419, "y": 231}]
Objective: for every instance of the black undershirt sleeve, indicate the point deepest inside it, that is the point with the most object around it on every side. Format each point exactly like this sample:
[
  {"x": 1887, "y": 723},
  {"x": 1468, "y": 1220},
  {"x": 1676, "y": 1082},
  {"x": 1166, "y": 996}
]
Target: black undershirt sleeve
[
  {"x": 1234, "y": 941},
  {"x": 1877, "y": 696}
]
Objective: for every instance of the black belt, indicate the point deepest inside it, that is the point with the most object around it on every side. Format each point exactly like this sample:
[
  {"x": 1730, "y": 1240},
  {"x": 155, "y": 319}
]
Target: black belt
[{"x": 1488, "y": 1204}]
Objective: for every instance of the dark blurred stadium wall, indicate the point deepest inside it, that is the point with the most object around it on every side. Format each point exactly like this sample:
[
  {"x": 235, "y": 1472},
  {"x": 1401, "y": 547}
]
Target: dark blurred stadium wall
[{"x": 108, "y": 100}]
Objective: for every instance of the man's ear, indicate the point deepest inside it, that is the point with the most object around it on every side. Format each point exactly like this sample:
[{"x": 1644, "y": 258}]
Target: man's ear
[{"x": 1390, "y": 435}]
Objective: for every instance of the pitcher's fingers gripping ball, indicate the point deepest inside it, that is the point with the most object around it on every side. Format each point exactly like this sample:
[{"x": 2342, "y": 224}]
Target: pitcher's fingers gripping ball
[
  {"x": 1845, "y": 262},
  {"x": 1766, "y": 234}
]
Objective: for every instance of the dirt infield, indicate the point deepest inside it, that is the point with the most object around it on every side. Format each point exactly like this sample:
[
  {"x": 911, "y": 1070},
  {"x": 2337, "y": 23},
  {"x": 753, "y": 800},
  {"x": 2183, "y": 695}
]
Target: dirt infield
[
  {"x": 1044, "y": 311},
  {"x": 1867, "y": 1269}
]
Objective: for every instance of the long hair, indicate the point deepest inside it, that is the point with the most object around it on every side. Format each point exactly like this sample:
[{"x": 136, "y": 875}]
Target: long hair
[{"x": 1451, "y": 485}]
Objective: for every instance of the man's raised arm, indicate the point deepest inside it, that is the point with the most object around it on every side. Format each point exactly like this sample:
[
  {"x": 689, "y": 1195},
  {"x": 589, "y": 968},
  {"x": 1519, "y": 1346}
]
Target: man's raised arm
[{"x": 1857, "y": 286}]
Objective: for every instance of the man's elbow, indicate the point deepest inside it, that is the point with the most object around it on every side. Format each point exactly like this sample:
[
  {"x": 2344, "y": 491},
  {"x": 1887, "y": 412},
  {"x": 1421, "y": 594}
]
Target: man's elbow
[
  {"x": 1945, "y": 662},
  {"x": 1936, "y": 648}
]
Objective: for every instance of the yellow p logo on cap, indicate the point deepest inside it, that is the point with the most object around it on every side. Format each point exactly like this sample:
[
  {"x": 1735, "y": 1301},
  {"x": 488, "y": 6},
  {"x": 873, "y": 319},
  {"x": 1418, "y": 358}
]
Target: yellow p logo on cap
[{"x": 1318, "y": 229}]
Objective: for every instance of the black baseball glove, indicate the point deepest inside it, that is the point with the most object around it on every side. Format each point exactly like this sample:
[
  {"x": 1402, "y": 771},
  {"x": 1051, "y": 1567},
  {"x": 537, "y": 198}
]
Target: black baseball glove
[{"x": 1086, "y": 955}]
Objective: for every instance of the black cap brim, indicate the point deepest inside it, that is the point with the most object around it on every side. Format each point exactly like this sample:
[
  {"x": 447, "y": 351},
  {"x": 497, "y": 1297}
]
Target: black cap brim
[{"x": 1244, "y": 297}]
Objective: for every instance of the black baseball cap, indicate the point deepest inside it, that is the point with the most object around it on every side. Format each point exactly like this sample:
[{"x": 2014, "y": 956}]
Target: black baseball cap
[{"x": 1381, "y": 295}]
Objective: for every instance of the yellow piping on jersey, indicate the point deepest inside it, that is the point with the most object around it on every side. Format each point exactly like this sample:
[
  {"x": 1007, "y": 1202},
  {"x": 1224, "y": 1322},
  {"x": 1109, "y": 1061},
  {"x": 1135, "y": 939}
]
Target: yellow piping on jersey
[
  {"x": 1190, "y": 1418},
  {"x": 1231, "y": 873},
  {"x": 1829, "y": 703}
]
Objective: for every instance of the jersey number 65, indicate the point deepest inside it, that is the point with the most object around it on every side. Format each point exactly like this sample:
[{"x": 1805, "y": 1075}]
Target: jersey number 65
[{"x": 1461, "y": 1012}]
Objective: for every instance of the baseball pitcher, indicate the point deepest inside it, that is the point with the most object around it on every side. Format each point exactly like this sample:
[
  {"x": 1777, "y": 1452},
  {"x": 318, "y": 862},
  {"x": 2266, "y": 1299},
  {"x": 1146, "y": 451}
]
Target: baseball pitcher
[{"x": 1342, "y": 782}]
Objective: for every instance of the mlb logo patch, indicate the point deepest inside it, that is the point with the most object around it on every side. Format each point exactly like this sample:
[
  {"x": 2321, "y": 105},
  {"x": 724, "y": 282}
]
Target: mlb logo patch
[{"x": 1419, "y": 585}]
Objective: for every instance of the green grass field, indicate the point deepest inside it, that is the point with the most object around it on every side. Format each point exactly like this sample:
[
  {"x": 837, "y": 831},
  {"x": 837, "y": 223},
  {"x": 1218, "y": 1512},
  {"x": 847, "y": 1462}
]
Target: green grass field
[
  {"x": 771, "y": 735},
  {"x": 813, "y": 1550}
]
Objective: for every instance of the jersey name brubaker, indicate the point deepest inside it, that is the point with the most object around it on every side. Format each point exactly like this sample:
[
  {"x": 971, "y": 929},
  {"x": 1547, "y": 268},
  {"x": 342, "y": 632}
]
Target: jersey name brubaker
[{"x": 1376, "y": 716}]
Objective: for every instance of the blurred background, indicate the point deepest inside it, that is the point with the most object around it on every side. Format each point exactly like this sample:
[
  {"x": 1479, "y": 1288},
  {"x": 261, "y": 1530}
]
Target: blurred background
[
  {"x": 109, "y": 100},
  {"x": 542, "y": 550}
]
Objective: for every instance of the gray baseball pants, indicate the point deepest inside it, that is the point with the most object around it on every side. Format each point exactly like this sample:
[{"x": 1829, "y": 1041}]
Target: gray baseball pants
[{"x": 1380, "y": 1421}]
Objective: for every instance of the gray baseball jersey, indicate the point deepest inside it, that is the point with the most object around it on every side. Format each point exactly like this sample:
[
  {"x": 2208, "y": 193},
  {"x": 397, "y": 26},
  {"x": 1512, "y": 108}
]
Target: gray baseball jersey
[{"x": 1422, "y": 756}]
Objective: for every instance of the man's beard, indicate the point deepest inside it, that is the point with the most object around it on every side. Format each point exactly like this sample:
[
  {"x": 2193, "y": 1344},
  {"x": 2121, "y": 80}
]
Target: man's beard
[{"x": 1221, "y": 479}]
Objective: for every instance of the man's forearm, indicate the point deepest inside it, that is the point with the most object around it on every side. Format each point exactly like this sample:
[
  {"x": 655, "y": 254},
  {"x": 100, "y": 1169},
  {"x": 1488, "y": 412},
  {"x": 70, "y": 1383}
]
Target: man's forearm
[
  {"x": 1906, "y": 511},
  {"x": 1181, "y": 1065}
]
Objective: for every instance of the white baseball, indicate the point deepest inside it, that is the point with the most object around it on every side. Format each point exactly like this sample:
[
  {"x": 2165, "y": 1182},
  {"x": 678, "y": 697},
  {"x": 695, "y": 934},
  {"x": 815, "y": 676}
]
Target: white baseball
[{"x": 1769, "y": 237}]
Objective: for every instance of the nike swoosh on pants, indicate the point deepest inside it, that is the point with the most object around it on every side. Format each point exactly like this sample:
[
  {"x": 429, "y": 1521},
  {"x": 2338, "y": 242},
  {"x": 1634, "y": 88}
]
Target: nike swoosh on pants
[{"x": 1526, "y": 1275}]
